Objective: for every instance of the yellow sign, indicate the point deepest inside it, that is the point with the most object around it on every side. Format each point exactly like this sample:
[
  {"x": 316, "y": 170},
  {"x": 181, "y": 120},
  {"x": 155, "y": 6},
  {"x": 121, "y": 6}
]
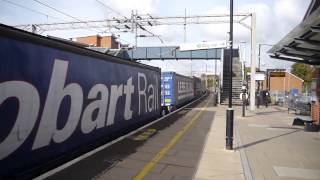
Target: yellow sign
[{"x": 277, "y": 74}]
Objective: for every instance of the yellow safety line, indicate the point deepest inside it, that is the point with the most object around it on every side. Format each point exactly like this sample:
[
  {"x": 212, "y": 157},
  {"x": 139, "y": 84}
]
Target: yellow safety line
[{"x": 144, "y": 171}]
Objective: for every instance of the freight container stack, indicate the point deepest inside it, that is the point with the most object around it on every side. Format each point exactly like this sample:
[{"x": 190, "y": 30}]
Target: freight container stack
[
  {"x": 58, "y": 100},
  {"x": 176, "y": 90}
]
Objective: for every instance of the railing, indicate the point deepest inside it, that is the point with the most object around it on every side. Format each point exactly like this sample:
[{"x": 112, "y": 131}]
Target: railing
[{"x": 300, "y": 104}]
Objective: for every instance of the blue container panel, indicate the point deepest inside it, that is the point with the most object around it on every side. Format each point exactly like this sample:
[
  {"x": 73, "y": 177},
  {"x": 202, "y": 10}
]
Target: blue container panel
[
  {"x": 185, "y": 89},
  {"x": 52, "y": 102},
  {"x": 176, "y": 89},
  {"x": 197, "y": 87}
]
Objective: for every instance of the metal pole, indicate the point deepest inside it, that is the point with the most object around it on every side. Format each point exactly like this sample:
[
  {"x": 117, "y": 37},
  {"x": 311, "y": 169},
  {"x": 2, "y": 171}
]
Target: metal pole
[
  {"x": 136, "y": 29},
  {"x": 215, "y": 94},
  {"x": 185, "y": 25},
  {"x": 243, "y": 103},
  {"x": 258, "y": 95},
  {"x": 230, "y": 53},
  {"x": 215, "y": 76},
  {"x": 229, "y": 125},
  {"x": 259, "y": 57},
  {"x": 132, "y": 21},
  {"x": 258, "y": 89},
  {"x": 253, "y": 62},
  {"x": 284, "y": 84},
  {"x": 243, "y": 56},
  {"x": 268, "y": 76}
]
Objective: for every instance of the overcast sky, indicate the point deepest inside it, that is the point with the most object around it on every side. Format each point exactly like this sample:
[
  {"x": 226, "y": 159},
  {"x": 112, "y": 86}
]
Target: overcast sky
[{"x": 275, "y": 18}]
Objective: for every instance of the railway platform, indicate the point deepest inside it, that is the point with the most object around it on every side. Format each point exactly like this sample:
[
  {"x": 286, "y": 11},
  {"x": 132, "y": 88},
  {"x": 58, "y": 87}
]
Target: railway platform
[
  {"x": 190, "y": 144},
  {"x": 274, "y": 148},
  {"x": 169, "y": 149}
]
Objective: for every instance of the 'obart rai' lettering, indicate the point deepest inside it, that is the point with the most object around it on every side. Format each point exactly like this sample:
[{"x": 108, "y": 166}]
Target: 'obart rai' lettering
[{"x": 104, "y": 102}]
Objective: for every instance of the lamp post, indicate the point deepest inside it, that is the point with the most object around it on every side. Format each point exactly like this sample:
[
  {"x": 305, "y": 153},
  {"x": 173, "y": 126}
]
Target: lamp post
[
  {"x": 244, "y": 99},
  {"x": 243, "y": 57},
  {"x": 259, "y": 63},
  {"x": 229, "y": 120}
]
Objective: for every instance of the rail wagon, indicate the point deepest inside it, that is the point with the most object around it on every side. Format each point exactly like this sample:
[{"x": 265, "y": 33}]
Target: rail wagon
[
  {"x": 198, "y": 88},
  {"x": 58, "y": 100},
  {"x": 176, "y": 90}
]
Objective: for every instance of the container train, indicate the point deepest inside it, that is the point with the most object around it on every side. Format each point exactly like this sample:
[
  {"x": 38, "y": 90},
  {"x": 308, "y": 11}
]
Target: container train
[
  {"x": 177, "y": 90},
  {"x": 59, "y": 100}
]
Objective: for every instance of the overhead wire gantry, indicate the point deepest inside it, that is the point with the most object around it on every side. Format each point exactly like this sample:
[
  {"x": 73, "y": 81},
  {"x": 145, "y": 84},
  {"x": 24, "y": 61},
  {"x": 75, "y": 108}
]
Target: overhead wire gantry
[{"x": 141, "y": 22}]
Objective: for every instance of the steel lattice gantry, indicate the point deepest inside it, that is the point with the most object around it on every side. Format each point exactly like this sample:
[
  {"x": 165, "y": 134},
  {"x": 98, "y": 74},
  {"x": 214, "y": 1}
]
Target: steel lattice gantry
[
  {"x": 142, "y": 22},
  {"x": 124, "y": 24}
]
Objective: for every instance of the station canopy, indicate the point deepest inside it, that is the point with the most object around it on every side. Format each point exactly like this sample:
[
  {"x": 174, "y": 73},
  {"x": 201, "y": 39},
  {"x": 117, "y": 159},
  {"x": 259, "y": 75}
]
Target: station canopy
[{"x": 302, "y": 44}]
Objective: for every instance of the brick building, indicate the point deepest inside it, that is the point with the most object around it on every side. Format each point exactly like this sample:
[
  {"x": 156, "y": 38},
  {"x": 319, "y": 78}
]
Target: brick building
[
  {"x": 99, "y": 41},
  {"x": 289, "y": 82},
  {"x": 209, "y": 81}
]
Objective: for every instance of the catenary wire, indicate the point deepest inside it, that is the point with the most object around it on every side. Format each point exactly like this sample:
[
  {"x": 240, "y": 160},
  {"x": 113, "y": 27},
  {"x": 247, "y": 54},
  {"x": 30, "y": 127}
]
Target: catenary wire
[
  {"x": 32, "y": 10},
  {"x": 61, "y": 12}
]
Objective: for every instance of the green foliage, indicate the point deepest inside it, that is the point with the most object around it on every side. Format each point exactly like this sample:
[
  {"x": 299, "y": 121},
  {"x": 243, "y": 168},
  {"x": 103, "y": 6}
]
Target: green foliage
[
  {"x": 248, "y": 70},
  {"x": 304, "y": 72}
]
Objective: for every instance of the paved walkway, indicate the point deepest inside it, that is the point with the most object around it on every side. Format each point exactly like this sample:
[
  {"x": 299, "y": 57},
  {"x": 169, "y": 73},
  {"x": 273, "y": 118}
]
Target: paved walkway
[
  {"x": 276, "y": 149},
  {"x": 270, "y": 147},
  {"x": 217, "y": 162}
]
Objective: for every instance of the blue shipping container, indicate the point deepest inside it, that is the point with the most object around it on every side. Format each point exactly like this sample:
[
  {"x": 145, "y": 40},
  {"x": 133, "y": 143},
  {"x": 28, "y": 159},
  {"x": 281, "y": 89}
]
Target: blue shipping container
[
  {"x": 56, "y": 98},
  {"x": 176, "y": 90}
]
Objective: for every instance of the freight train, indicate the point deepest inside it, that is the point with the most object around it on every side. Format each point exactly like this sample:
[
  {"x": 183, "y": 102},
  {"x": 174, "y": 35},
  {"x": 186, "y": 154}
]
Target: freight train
[
  {"x": 59, "y": 100},
  {"x": 177, "y": 90}
]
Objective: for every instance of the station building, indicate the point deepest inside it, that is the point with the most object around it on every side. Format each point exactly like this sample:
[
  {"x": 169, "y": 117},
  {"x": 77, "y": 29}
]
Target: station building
[
  {"x": 210, "y": 81},
  {"x": 284, "y": 82}
]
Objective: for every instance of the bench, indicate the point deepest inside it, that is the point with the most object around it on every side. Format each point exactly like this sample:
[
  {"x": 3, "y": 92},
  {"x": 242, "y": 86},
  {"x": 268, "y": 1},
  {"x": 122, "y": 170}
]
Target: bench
[{"x": 308, "y": 123}]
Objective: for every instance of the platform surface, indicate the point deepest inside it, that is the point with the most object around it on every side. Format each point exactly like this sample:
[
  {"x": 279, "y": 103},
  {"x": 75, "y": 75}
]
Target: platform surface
[
  {"x": 172, "y": 147},
  {"x": 191, "y": 145}
]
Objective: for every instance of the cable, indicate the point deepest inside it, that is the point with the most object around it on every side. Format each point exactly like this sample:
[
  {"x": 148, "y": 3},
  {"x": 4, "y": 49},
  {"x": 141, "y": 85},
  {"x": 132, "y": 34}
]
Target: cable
[
  {"x": 66, "y": 14},
  {"x": 32, "y": 10},
  {"x": 57, "y": 10}
]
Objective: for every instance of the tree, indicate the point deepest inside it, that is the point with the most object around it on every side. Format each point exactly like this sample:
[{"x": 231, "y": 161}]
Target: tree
[{"x": 304, "y": 72}]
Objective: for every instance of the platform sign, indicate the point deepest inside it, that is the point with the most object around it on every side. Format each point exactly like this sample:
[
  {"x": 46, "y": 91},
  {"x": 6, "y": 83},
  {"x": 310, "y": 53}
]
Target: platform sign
[
  {"x": 277, "y": 74},
  {"x": 260, "y": 76},
  {"x": 203, "y": 45}
]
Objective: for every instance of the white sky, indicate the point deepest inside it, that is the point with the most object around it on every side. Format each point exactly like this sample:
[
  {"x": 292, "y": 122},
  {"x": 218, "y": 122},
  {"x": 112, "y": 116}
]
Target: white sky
[{"x": 275, "y": 18}]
